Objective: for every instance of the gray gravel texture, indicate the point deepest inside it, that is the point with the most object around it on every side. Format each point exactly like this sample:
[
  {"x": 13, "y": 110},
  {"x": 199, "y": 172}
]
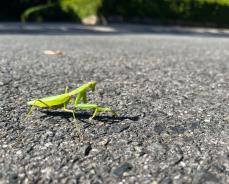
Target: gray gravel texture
[{"x": 171, "y": 94}]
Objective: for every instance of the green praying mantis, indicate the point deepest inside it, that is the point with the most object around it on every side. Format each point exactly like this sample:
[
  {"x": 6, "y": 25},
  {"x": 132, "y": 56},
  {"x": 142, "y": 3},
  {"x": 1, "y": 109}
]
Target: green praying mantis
[{"x": 61, "y": 101}]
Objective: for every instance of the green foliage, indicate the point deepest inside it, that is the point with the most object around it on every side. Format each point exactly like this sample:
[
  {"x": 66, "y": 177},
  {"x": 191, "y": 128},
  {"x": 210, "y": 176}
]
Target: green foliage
[
  {"x": 134, "y": 8},
  {"x": 47, "y": 12},
  {"x": 192, "y": 11},
  {"x": 80, "y": 8},
  {"x": 202, "y": 11},
  {"x": 62, "y": 10},
  {"x": 198, "y": 11}
]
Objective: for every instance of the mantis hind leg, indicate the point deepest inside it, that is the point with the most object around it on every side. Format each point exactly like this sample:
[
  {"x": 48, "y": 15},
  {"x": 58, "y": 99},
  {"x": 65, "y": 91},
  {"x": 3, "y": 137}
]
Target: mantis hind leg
[
  {"x": 102, "y": 109},
  {"x": 31, "y": 109},
  {"x": 94, "y": 114},
  {"x": 28, "y": 114}
]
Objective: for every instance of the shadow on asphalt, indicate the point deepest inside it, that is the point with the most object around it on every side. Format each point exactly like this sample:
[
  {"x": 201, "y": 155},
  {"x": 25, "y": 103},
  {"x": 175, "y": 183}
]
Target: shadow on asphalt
[
  {"x": 83, "y": 116},
  {"x": 113, "y": 29}
]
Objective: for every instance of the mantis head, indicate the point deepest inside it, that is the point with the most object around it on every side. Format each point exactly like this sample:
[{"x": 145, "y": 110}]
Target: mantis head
[{"x": 92, "y": 86}]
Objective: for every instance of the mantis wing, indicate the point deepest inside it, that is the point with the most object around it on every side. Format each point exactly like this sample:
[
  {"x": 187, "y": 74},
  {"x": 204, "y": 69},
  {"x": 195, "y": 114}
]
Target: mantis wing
[{"x": 50, "y": 101}]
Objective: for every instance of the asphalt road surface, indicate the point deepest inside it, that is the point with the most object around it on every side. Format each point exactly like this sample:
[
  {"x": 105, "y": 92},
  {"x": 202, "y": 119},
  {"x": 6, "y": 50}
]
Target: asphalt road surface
[{"x": 170, "y": 91}]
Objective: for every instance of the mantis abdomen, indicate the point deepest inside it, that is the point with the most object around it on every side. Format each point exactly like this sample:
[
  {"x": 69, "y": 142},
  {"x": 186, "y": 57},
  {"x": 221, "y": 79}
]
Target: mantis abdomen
[{"x": 50, "y": 101}]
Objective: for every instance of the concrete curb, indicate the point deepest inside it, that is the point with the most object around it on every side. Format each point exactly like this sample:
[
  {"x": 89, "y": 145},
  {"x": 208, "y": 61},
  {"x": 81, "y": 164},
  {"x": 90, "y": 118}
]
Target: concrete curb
[{"x": 71, "y": 28}]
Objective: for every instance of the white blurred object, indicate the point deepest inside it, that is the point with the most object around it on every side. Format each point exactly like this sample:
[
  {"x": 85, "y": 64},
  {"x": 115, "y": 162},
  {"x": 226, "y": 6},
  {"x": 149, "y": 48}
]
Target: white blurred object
[{"x": 52, "y": 52}]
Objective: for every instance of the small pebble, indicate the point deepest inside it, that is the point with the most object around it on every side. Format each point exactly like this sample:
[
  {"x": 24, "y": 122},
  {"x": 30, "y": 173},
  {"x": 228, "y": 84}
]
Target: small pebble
[
  {"x": 103, "y": 142},
  {"x": 121, "y": 169}
]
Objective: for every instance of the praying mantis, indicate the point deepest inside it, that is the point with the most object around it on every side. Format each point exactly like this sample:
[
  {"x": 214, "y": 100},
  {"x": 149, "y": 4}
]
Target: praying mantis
[{"x": 62, "y": 100}]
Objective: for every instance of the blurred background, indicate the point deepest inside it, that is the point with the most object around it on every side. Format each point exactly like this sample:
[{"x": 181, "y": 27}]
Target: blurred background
[{"x": 209, "y": 13}]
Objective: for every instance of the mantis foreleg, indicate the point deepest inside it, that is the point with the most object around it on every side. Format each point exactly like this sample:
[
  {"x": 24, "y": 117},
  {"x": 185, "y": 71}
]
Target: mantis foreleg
[{"x": 84, "y": 96}]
